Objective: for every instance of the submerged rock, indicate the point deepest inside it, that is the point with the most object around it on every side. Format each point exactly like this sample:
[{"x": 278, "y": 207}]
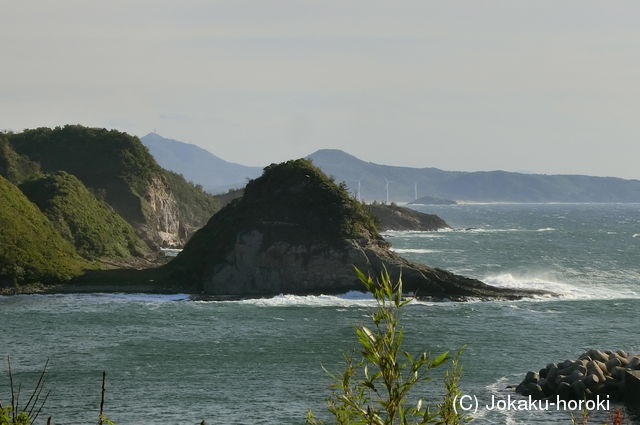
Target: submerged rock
[{"x": 295, "y": 231}]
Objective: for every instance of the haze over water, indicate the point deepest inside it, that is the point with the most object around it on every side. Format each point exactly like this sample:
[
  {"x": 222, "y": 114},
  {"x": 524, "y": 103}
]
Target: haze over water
[{"x": 175, "y": 361}]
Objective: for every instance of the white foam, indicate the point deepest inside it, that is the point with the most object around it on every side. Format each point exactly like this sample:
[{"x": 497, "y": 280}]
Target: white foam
[
  {"x": 508, "y": 280},
  {"x": 171, "y": 252},
  {"x": 414, "y": 250},
  {"x": 145, "y": 297},
  {"x": 439, "y": 233},
  {"x": 636, "y": 235},
  {"x": 489, "y": 230},
  {"x": 119, "y": 296},
  {"x": 350, "y": 299},
  {"x": 564, "y": 290},
  {"x": 413, "y": 234}
]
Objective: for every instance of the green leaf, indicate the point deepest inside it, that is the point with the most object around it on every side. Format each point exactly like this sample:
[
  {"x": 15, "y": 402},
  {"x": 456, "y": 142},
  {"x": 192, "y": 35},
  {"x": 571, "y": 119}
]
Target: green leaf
[{"x": 440, "y": 359}]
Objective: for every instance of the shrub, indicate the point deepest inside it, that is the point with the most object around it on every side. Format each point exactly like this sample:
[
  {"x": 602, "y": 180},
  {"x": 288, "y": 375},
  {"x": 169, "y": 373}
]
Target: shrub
[{"x": 376, "y": 389}]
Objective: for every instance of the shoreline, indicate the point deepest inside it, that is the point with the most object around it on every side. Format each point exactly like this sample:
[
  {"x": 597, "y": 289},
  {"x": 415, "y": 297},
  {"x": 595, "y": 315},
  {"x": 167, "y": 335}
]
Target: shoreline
[{"x": 151, "y": 289}]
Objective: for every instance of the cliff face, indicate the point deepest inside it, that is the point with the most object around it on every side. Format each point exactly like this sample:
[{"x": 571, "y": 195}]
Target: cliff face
[
  {"x": 163, "y": 218},
  {"x": 295, "y": 231},
  {"x": 260, "y": 263},
  {"x": 118, "y": 169}
]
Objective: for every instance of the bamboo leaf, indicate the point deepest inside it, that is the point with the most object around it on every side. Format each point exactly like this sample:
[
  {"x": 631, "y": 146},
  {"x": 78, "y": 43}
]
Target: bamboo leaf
[{"x": 440, "y": 359}]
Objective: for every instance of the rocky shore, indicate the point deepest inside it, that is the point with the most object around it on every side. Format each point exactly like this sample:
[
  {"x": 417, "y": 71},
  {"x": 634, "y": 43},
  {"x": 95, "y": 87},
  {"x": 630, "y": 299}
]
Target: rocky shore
[
  {"x": 394, "y": 217},
  {"x": 595, "y": 373}
]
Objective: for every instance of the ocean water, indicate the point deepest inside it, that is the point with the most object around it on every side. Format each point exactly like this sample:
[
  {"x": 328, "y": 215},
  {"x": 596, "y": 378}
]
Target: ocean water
[{"x": 171, "y": 360}]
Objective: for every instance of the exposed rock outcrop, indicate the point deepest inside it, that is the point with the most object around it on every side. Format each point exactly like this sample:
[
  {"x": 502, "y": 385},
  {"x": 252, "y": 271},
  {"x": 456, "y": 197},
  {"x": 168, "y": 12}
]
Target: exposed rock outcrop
[
  {"x": 163, "y": 218},
  {"x": 295, "y": 231},
  {"x": 393, "y": 217}
]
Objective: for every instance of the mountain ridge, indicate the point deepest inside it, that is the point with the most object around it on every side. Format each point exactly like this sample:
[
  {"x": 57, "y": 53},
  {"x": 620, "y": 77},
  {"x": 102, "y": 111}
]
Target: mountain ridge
[
  {"x": 198, "y": 165},
  {"x": 406, "y": 182},
  {"x": 477, "y": 186}
]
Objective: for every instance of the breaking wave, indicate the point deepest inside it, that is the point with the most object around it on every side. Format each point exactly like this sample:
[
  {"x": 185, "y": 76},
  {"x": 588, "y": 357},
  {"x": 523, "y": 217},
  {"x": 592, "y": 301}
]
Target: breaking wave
[
  {"x": 414, "y": 250},
  {"x": 563, "y": 289}
]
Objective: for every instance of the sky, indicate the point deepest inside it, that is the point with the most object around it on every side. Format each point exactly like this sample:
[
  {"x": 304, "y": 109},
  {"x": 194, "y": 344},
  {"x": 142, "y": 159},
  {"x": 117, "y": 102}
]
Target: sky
[{"x": 533, "y": 86}]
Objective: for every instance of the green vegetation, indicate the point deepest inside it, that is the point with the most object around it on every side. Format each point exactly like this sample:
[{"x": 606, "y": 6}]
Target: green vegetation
[
  {"x": 377, "y": 389},
  {"x": 91, "y": 225},
  {"x": 112, "y": 164},
  {"x": 15, "y": 167},
  {"x": 31, "y": 250},
  {"x": 17, "y": 414},
  {"x": 118, "y": 169},
  {"x": 195, "y": 205},
  {"x": 297, "y": 198},
  {"x": 298, "y": 192}
]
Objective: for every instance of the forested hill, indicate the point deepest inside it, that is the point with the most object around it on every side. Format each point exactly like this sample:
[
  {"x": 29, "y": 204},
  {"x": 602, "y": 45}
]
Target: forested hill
[{"x": 117, "y": 168}]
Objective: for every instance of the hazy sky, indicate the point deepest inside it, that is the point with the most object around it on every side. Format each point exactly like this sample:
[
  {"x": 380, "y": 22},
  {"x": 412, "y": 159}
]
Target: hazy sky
[{"x": 546, "y": 86}]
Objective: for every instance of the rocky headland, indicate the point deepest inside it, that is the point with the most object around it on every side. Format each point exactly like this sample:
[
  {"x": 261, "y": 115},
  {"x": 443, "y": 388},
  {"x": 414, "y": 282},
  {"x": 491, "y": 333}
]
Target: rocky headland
[
  {"x": 394, "y": 217},
  {"x": 295, "y": 231}
]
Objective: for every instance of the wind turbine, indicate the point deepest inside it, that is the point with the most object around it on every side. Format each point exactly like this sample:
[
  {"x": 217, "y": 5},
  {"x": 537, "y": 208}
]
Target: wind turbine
[{"x": 387, "y": 185}]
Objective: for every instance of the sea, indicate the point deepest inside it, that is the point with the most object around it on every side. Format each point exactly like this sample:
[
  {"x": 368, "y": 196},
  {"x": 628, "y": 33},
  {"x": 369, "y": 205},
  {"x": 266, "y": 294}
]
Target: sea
[{"x": 170, "y": 359}]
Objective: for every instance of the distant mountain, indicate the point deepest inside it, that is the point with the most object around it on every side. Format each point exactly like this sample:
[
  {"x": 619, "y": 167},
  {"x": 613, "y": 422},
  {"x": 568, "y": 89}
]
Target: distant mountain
[
  {"x": 200, "y": 166},
  {"x": 481, "y": 186}
]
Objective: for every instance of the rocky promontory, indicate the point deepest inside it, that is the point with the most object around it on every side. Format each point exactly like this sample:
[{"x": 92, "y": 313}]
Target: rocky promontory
[
  {"x": 295, "y": 231},
  {"x": 596, "y": 373},
  {"x": 394, "y": 217}
]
